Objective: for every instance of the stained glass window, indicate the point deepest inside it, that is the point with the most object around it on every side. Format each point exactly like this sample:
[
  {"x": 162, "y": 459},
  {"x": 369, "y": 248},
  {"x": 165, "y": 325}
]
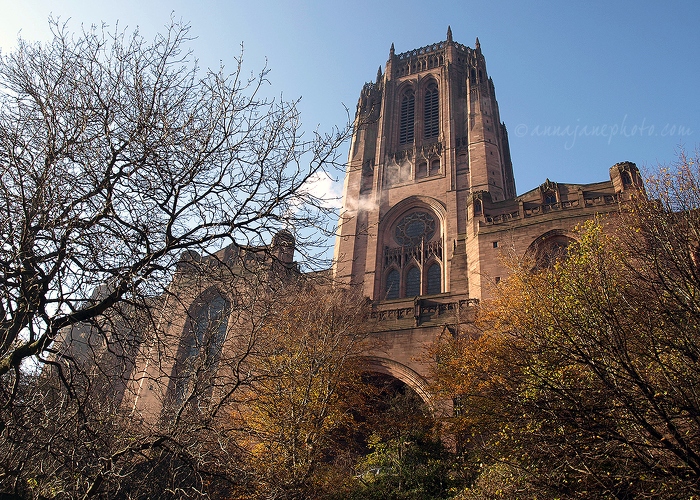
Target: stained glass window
[
  {"x": 413, "y": 228},
  {"x": 434, "y": 274},
  {"x": 392, "y": 284},
  {"x": 413, "y": 282}
]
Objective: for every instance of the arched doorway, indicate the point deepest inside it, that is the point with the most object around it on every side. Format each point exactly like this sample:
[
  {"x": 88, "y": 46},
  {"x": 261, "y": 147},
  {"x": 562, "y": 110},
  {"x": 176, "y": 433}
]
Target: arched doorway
[{"x": 417, "y": 383}]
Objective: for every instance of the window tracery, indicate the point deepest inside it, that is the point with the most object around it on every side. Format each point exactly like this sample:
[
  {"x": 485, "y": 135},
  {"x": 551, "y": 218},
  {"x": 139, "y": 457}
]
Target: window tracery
[
  {"x": 203, "y": 341},
  {"x": 393, "y": 281},
  {"x": 550, "y": 198},
  {"x": 413, "y": 256},
  {"x": 413, "y": 228},
  {"x": 550, "y": 250}
]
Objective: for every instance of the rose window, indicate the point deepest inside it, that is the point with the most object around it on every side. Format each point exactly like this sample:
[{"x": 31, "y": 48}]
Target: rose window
[{"x": 413, "y": 228}]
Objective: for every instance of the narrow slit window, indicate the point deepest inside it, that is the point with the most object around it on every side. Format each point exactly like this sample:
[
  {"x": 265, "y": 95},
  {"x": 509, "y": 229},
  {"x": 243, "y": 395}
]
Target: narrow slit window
[
  {"x": 431, "y": 112},
  {"x": 408, "y": 102}
]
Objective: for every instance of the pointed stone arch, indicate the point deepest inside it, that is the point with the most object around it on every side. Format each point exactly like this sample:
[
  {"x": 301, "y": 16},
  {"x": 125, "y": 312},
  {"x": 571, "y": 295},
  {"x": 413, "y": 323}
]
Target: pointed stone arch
[
  {"x": 407, "y": 255},
  {"x": 408, "y": 376},
  {"x": 548, "y": 247},
  {"x": 201, "y": 340}
]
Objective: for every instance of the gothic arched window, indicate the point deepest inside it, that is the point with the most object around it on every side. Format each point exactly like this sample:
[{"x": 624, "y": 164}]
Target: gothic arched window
[
  {"x": 435, "y": 167},
  {"x": 550, "y": 249},
  {"x": 412, "y": 256},
  {"x": 478, "y": 208},
  {"x": 550, "y": 198},
  {"x": 431, "y": 113},
  {"x": 413, "y": 282},
  {"x": 434, "y": 279},
  {"x": 203, "y": 341},
  {"x": 393, "y": 281},
  {"x": 408, "y": 102},
  {"x": 550, "y": 252},
  {"x": 626, "y": 179},
  {"x": 210, "y": 328}
]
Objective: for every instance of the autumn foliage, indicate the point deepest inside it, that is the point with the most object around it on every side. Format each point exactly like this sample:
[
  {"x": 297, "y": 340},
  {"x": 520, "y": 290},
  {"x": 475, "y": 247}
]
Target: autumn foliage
[
  {"x": 298, "y": 414},
  {"x": 583, "y": 381}
]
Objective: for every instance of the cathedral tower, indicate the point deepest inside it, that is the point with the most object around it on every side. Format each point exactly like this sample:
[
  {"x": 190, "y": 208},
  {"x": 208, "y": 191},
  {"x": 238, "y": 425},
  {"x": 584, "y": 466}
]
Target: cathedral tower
[
  {"x": 428, "y": 149},
  {"x": 429, "y": 205}
]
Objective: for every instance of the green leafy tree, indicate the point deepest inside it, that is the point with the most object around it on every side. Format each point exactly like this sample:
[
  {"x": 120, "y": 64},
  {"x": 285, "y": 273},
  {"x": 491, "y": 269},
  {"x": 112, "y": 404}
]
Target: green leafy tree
[{"x": 404, "y": 456}]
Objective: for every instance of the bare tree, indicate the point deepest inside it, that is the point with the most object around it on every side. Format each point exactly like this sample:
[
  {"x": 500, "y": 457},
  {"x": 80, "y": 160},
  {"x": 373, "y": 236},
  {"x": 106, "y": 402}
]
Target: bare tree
[
  {"x": 116, "y": 155},
  {"x": 123, "y": 164}
]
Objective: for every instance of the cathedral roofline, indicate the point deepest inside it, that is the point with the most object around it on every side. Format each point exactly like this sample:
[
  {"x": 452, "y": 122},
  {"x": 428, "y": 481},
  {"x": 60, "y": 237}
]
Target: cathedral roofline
[
  {"x": 433, "y": 48},
  {"x": 567, "y": 185}
]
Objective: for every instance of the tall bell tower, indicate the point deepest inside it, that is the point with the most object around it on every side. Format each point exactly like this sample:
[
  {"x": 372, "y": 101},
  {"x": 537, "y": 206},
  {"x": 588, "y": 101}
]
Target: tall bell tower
[{"x": 428, "y": 148}]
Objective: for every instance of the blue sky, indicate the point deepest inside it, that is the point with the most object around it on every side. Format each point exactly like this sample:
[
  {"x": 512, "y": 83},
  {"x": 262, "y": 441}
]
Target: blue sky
[{"x": 581, "y": 85}]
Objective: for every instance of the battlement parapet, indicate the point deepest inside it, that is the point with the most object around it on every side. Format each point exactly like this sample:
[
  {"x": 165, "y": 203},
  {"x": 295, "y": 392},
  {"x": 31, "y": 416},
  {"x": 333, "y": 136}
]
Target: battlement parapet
[
  {"x": 531, "y": 210},
  {"x": 424, "y": 310},
  {"x": 428, "y": 49}
]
